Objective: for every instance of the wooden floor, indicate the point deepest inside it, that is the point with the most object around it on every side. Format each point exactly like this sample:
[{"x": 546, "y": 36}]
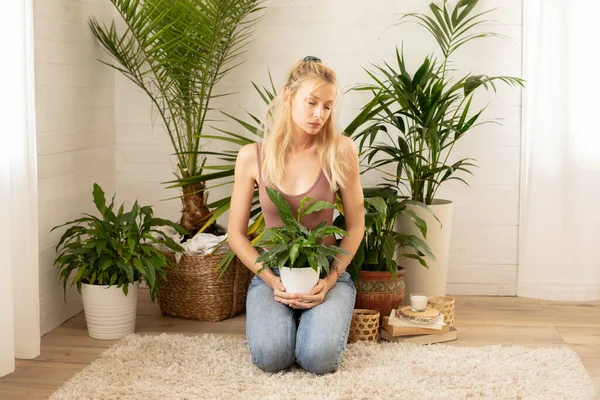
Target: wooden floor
[{"x": 480, "y": 321}]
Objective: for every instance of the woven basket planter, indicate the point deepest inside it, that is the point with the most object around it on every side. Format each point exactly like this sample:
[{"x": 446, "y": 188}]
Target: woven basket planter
[
  {"x": 364, "y": 326},
  {"x": 194, "y": 291},
  {"x": 376, "y": 290}
]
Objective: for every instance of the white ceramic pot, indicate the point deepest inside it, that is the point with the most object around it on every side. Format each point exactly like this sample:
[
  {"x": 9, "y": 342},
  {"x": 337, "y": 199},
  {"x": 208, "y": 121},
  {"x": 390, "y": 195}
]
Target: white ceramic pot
[
  {"x": 109, "y": 314},
  {"x": 299, "y": 280},
  {"x": 418, "y": 279}
]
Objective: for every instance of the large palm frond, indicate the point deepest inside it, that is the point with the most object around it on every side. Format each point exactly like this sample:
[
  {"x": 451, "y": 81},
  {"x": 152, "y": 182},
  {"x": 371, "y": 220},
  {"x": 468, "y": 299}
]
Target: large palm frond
[
  {"x": 429, "y": 110},
  {"x": 176, "y": 51}
]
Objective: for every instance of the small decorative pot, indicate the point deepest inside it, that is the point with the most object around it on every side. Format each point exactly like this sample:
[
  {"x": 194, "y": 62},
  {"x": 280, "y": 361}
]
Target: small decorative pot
[{"x": 364, "y": 326}]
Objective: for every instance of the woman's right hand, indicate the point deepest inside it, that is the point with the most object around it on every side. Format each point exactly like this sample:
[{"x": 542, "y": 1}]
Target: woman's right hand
[{"x": 279, "y": 293}]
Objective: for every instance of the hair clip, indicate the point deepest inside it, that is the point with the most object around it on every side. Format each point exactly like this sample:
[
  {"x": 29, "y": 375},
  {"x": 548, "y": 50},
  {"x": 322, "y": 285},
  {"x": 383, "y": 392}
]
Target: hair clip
[{"x": 311, "y": 58}]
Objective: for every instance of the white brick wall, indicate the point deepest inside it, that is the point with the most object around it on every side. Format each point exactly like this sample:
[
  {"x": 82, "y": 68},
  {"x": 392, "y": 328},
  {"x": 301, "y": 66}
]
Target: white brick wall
[
  {"x": 348, "y": 35},
  {"x": 75, "y": 132}
]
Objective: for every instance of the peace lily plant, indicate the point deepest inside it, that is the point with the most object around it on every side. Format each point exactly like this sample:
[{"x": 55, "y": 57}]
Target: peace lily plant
[
  {"x": 114, "y": 248},
  {"x": 292, "y": 246},
  {"x": 107, "y": 256},
  {"x": 377, "y": 250}
]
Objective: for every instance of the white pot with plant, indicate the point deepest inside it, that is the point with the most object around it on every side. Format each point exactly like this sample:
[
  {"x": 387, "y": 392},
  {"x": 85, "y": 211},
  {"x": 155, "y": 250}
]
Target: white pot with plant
[
  {"x": 428, "y": 113},
  {"x": 297, "y": 251},
  {"x": 107, "y": 257}
]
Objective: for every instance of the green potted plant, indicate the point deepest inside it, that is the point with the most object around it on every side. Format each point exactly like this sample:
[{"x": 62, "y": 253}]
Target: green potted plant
[
  {"x": 106, "y": 257},
  {"x": 297, "y": 251},
  {"x": 421, "y": 118},
  {"x": 176, "y": 52},
  {"x": 375, "y": 270}
]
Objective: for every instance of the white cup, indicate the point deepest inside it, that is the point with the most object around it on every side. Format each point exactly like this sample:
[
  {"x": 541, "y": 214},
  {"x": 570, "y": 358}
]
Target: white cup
[{"x": 418, "y": 302}]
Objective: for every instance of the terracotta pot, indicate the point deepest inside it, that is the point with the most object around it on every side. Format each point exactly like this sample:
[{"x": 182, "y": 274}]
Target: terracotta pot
[{"x": 376, "y": 290}]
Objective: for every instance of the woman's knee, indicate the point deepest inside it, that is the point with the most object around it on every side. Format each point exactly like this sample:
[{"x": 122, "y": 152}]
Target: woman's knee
[
  {"x": 272, "y": 357},
  {"x": 319, "y": 358}
]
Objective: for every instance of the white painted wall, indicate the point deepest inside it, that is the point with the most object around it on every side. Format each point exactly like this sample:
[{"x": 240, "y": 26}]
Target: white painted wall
[
  {"x": 75, "y": 133},
  {"x": 348, "y": 35}
]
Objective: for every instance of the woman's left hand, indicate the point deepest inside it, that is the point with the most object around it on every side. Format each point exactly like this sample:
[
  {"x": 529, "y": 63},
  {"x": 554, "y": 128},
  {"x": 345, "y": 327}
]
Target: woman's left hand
[{"x": 316, "y": 296}]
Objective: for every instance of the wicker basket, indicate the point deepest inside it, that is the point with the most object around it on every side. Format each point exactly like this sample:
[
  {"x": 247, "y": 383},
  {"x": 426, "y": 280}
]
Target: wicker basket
[
  {"x": 194, "y": 291},
  {"x": 364, "y": 326},
  {"x": 445, "y": 305}
]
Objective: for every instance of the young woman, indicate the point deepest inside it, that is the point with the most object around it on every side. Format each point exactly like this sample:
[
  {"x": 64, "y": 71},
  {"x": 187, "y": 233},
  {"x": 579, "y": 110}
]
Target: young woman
[{"x": 301, "y": 155}]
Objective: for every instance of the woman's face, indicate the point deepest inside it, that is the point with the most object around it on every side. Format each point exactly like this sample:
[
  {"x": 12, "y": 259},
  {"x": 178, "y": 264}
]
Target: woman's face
[{"x": 311, "y": 106}]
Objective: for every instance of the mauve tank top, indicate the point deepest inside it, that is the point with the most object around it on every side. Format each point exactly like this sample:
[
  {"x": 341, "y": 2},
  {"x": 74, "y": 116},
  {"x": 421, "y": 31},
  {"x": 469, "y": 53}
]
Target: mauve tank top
[{"x": 320, "y": 190}]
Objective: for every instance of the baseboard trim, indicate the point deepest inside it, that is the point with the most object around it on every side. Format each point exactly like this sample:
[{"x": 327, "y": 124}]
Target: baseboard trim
[
  {"x": 482, "y": 289},
  {"x": 56, "y": 318},
  {"x": 560, "y": 292}
]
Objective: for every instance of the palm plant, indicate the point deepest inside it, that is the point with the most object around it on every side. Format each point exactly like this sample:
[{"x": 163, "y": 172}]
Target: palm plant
[
  {"x": 176, "y": 51},
  {"x": 429, "y": 110}
]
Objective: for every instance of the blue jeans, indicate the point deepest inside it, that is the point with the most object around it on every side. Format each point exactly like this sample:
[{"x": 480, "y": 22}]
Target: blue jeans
[{"x": 278, "y": 335}]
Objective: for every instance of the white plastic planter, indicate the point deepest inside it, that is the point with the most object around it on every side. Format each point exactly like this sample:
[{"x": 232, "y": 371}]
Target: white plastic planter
[
  {"x": 109, "y": 314},
  {"x": 298, "y": 280},
  {"x": 418, "y": 279}
]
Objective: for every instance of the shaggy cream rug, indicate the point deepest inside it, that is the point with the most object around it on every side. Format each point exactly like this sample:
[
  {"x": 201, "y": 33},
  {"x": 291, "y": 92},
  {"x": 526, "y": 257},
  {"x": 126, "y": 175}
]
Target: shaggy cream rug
[{"x": 219, "y": 367}]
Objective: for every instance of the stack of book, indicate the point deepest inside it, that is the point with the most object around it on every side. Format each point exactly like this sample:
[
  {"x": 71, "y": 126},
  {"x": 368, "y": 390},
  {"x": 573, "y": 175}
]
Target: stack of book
[{"x": 398, "y": 328}]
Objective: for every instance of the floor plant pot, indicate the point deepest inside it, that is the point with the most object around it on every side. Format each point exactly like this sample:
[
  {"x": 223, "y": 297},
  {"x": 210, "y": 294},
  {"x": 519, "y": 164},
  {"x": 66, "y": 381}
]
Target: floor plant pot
[
  {"x": 376, "y": 290},
  {"x": 109, "y": 313},
  {"x": 193, "y": 289},
  {"x": 430, "y": 281},
  {"x": 299, "y": 280}
]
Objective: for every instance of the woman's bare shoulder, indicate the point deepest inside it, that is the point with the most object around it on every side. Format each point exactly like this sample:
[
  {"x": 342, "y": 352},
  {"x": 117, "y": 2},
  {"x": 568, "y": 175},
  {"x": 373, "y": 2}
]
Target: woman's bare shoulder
[
  {"x": 247, "y": 153},
  {"x": 346, "y": 147},
  {"x": 247, "y": 160}
]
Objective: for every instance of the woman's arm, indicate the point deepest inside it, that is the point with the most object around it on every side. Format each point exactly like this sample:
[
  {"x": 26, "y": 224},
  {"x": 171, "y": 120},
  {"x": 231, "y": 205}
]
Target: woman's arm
[
  {"x": 353, "y": 202},
  {"x": 246, "y": 169}
]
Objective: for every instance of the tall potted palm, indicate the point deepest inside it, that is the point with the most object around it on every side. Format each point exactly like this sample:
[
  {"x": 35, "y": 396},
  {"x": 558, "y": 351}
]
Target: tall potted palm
[
  {"x": 421, "y": 117},
  {"x": 176, "y": 52}
]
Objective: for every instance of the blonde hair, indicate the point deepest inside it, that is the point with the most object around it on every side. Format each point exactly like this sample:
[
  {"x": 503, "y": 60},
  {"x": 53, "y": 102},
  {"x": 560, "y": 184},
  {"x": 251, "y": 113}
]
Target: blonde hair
[{"x": 278, "y": 124}]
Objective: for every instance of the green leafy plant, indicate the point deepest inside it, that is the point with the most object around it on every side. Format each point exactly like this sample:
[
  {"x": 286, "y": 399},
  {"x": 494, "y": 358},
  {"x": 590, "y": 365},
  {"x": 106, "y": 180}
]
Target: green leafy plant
[
  {"x": 115, "y": 248},
  {"x": 293, "y": 245},
  {"x": 176, "y": 52},
  {"x": 423, "y": 115},
  {"x": 380, "y": 242}
]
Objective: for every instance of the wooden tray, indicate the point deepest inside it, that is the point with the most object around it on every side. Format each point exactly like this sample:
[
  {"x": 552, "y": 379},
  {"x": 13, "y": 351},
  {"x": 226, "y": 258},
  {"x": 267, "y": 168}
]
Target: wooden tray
[{"x": 428, "y": 316}]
